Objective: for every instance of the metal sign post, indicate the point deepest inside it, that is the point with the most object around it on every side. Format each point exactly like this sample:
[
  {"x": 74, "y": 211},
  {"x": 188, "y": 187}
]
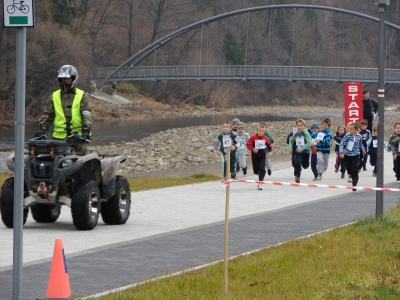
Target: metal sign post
[
  {"x": 20, "y": 15},
  {"x": 381, "y": 104}
]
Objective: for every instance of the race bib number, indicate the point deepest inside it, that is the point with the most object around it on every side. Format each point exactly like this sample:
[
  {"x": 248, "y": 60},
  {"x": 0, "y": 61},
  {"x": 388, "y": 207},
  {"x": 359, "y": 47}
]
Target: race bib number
[
  {"x": 320, "y": 136},
  {"x": 259, "y": 144},
  {"x": 375, "y": 143},
  {"x": 226, "y": 141},
  {"x": 300, "y": 141},
  {"x": 313, "y": 142},
  {"x": 350, "y": 145},
  {"x": 241, "y": 145}
]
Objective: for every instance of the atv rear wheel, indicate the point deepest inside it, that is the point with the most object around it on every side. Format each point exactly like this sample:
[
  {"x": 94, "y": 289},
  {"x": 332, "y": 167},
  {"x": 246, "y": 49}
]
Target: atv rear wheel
[
  {"x": 43, "y": 213},
  {"x": 7, "y": 204},
  {"x": 85, "y": 206},
  {"x": 116, "y": 211}
]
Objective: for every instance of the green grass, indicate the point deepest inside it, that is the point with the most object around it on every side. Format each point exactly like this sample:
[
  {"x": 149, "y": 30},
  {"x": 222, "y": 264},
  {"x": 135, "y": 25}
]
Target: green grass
[
  {"x": 359, "y": 261},
  {"x": 140, "y": 184}
]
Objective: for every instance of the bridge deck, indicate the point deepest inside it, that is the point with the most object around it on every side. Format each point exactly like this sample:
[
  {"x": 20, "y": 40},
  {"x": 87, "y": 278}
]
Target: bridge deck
[{"x": 248, "y": 73}]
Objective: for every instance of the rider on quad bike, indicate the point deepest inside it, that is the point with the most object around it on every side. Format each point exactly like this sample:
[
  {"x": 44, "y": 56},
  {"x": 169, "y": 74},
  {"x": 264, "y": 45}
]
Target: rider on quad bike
[{"x": 60, "y": 171}]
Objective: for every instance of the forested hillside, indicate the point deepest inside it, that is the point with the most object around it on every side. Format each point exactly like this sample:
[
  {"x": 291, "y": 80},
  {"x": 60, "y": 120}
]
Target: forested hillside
[{"x": 104, "y": 33}]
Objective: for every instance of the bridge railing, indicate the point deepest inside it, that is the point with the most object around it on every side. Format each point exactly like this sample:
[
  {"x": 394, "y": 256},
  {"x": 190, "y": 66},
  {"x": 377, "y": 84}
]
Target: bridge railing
[{"x": 246, "y": 72}]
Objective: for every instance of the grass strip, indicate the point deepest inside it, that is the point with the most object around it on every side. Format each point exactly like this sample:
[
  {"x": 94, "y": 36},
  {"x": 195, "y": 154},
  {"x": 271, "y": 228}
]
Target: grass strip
[{"x": 141, "y": 184}]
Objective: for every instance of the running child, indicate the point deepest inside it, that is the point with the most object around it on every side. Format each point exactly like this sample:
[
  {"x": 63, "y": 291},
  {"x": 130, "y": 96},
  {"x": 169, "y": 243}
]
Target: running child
[
  {"x": 259, "y": 144},
  {"x": 268, "y": 162},
  {"x": 366, "y": 134},
  {"x": 226, "y": 139},
  {"x": 323, "y": 141},
  {"x": 339, "y": 163},
  {"x": 241, "y": 138},
  {"x": 302, "y": 140},
  {"x": 373, "y": 149},
  {"x": 313, "y": 134},
  {"x": 349, "y": 150},
  {"x": 395, "y": 148}
]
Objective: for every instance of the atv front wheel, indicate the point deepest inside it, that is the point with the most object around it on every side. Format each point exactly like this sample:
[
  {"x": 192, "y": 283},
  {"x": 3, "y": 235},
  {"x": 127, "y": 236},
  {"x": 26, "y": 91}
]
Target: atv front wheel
[
  {"x": 43, "y": 213},
  {"x": 116, "y": 211},
  {"x": 7, "y": 204},
  {"x": 85, "y": 206}
]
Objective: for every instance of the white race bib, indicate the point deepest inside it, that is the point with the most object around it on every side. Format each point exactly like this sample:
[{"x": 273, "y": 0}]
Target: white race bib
[
  {"x": 350, "y": 145},
  {"x": 375, "y": 143},
  {"x": 259, "y": 144},
  {"x": 320, "y": 136},
  {"x": 300, "y": 141},
  {"x": 226, "y": 141},
  {"x": 241, "y": 145},
  {"x": 313, "y": 142}
]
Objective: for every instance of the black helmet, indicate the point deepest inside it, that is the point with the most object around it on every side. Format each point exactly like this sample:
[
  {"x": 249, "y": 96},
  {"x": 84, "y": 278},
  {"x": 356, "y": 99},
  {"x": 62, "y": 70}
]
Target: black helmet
[{"x": 68, "y": 71}]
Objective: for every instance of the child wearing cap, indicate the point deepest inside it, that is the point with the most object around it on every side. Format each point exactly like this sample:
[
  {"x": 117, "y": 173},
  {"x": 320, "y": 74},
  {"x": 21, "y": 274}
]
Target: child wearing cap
[
  {"x": 241, "y": 138},
  {"x": 339, "y": 163},
  {"x": 235, "y": 121},
  {"x": 313, "y": 134}
]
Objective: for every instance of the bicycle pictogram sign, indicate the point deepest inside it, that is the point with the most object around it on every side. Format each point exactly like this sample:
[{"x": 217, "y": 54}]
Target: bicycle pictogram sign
[{"x": 18, "y": 6}]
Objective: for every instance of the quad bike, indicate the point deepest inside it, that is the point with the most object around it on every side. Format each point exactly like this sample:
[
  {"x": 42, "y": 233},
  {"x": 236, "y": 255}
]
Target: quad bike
[{"x": 56, "y": 174}]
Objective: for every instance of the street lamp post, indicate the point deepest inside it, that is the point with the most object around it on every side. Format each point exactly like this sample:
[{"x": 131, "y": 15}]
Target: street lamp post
[{"x": 381, "y": 107}]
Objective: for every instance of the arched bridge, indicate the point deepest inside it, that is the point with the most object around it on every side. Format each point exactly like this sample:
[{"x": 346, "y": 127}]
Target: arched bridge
[{"x": 246, "y": 73}]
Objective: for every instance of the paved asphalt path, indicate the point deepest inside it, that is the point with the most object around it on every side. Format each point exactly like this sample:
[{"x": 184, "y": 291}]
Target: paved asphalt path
[{"x": 177, "y": 228}]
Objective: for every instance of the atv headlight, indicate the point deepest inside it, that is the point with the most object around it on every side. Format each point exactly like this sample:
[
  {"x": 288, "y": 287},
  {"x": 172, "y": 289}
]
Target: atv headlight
[{"x": 67, "y": 163}]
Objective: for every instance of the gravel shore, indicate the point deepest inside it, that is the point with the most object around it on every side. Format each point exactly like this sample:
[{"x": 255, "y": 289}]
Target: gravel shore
[{"x": 183, "y": 151}]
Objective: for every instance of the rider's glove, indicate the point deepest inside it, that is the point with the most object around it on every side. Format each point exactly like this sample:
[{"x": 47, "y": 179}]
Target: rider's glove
[
  {"x": 86, "y": 134},
  {"x": 41, "y": 133}
]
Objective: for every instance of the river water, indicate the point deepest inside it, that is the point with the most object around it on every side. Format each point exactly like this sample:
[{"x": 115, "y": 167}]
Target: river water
[{"x": 116, "y": 132}]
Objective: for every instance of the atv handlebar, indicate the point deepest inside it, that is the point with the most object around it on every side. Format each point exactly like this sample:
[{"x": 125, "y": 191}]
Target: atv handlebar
[
  {"x": 73, "y": 137},
  {"x": 77, "y": 137}
]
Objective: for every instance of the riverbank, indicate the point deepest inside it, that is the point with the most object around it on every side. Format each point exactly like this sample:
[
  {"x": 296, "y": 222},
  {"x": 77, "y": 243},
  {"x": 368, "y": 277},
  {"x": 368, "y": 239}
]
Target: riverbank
[{"x": 183, "y": 151}]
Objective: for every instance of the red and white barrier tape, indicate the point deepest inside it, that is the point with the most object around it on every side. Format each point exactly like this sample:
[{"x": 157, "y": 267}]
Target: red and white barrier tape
[{"x": 330, "y": 186}]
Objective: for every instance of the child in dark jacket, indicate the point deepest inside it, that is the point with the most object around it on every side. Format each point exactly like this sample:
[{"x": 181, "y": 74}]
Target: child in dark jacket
[
  {"x": 323, "y": 141},
  {"x": 366, "y": 134},
  {"x": 339, "y": 163},
  {"x": 373, "y": 149},
  {"x": 313, "y": 133},
  {"x": 349, "y": 149},
  {"x": 259, "y": 145},
  {"x": 302, "y": 140},
  {"x": 395, "y": 148}
]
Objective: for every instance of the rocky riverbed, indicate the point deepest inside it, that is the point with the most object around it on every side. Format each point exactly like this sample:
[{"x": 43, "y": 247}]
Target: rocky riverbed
[
  {"x": 184, "y": 147},
  {"x": 181, "y": 148}
]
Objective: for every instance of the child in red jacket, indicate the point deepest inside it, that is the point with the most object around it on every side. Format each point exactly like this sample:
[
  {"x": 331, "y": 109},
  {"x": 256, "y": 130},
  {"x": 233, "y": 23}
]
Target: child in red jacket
[{"x": 258, "y": 144}]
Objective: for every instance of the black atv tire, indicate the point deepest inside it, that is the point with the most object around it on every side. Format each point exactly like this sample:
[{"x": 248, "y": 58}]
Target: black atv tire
[
  {"x": 85, "y": 206},
  {"x": 43, "y": 213},
  {"x": 7, "y": 204},
  {"x": 116, "y": 210}
]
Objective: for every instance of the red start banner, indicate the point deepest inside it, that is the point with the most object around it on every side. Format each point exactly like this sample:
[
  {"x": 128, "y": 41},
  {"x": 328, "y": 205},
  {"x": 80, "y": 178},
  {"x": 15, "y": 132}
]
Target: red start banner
[{"x": 353, "y": 102}]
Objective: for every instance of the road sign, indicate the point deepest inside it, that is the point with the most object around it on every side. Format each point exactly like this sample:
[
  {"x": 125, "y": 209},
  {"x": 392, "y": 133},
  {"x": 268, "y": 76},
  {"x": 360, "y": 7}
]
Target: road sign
[{"x": 18, "y": 13}]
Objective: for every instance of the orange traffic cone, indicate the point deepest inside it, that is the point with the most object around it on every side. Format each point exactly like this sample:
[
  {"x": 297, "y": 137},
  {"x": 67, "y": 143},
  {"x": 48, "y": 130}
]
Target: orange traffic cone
[{"x": 58, "y": 286}]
